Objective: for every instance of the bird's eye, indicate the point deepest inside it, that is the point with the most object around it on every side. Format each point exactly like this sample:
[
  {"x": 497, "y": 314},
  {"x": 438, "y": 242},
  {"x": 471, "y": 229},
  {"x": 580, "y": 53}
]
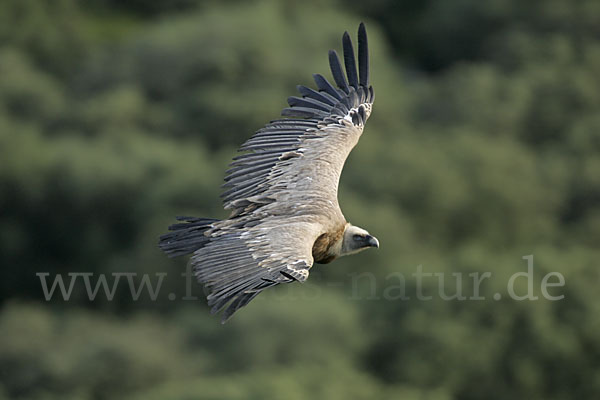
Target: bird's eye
[{"x": 357, "y": 237}]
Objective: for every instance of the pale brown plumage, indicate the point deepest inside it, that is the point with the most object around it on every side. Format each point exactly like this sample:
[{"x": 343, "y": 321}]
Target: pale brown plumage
[{"x": 283, "y": 193}]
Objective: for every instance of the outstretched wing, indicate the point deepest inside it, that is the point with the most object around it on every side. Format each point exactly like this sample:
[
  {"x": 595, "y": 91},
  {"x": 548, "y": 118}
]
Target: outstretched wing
[
  {"x": 238, "y": 264},
  {"x": 283, "y": 190},
  {"x": 300, "y": 158}
]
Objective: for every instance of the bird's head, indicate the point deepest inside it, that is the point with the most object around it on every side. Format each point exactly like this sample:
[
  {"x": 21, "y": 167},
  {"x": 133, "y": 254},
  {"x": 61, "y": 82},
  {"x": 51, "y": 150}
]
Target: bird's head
[{"x": 357, "y": 239}]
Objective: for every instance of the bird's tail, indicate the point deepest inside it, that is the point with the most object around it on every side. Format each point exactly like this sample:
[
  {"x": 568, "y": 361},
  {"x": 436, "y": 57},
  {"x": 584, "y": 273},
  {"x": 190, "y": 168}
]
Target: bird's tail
[{"x": 186, "y": 236}]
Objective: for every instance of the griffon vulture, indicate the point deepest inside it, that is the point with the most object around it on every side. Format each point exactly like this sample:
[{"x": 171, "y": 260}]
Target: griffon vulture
[{"x": 283, "y": 193}]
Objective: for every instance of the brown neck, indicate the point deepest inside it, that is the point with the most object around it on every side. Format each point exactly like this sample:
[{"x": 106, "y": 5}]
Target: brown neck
[{"x": 327, "y": 246}]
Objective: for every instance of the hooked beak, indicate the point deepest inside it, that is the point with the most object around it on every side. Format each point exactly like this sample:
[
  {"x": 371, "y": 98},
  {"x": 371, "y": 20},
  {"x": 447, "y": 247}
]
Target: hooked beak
[{"x": 372, "y": 241}]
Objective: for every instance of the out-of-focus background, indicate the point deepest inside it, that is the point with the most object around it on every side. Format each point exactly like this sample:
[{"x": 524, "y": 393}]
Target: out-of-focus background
[{"x": 483, "y": 147}]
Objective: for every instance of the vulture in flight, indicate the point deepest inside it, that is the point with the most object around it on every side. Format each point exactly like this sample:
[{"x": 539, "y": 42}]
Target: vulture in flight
[{"x": 282, "y": 193}]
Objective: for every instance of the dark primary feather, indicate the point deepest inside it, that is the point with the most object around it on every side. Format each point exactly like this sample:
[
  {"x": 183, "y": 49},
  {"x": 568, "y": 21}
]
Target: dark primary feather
[
  {"x": 323, "y": 97},
  {"x": 324, "y": 85},
  {"x": 363, "y": 55},
  {"x": 350, "y": 61},
  {"x": 336, "y": 70},
  {"x": 308, "y": 102}
]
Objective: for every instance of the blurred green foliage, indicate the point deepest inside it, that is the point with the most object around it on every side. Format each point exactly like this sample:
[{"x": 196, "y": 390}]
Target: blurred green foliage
[{"x": 483, "y": 147}]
